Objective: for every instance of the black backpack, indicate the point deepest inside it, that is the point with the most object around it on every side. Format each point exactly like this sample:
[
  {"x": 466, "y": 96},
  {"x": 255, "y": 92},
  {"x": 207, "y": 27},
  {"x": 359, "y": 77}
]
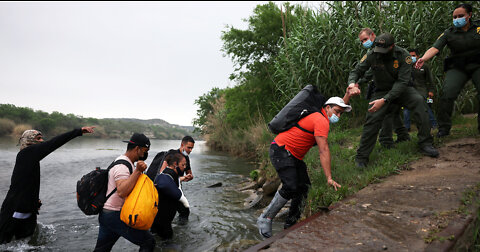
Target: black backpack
[
  {"x": 92, "y": 189},
  {"x": 306, "y": 102},
  {"x": 156, "y": 164}
]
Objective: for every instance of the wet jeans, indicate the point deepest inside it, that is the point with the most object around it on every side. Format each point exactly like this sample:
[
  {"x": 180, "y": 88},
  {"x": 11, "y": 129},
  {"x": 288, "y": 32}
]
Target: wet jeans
[{"x": 111, "y": 228}]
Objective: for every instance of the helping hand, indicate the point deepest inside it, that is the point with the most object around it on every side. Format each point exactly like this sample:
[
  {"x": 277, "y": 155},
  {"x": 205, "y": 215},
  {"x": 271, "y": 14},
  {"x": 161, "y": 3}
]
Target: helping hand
[
  {"x": 353, "y": 89},
  {"x": 419, "y": 63}
]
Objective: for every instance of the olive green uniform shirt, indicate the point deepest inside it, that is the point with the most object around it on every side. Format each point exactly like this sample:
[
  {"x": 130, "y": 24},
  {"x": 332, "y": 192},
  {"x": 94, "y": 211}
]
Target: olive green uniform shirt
[
  {"x": 423, "y": 80},
  {"x": 458, "y": 40},
  {"x": 464, "y": 63},
  {"x": 366, "y": 78},
  {"x": 390, "y": 74}
]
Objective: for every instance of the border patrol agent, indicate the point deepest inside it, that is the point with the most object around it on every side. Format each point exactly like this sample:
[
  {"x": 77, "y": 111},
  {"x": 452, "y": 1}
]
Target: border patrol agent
[
  {"x": 463, "y": 39},
  {"x": 392, "y": 73},
  {"x": 392, "y": 121},
  {"x": 423, "y": 83}
]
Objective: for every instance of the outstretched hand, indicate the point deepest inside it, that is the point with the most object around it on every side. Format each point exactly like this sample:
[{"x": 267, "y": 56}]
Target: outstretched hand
[
  {"x": 419, "y": 63},
  {"x": 88, "y": 129}
]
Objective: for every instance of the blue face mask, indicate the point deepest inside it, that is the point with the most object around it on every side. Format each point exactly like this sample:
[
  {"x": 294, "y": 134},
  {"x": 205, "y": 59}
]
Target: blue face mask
[
  {"x": 414, "y": 59},
  {"x": 368, "y": 44},
  {"x": 460, "y": 22},
  {"x": 334, "y": 118}
]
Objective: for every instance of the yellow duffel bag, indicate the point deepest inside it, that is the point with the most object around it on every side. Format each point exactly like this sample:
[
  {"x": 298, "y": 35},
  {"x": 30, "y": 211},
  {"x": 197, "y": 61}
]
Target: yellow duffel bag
[{"x": 141, "y": 205}]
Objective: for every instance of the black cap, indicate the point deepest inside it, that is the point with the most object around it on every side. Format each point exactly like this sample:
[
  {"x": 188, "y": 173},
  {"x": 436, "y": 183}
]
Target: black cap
[
  {"x": 139, "y": 139},
  {"x": 383, "y": 42}
]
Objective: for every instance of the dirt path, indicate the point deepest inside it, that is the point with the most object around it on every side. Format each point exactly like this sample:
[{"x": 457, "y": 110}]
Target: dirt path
[{"x": 399, "y": 214}]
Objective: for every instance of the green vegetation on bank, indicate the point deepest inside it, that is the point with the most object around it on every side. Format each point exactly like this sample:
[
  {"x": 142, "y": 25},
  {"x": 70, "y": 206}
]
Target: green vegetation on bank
[
  {"x": 320, "y": 47},
  {"x": 15, "y": 120},
  {"x": 287, "y": 47}
]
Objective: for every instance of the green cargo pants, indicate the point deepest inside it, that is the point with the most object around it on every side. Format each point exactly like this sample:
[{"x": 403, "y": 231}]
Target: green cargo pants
[
  {"x": 409, "y": 99},
  {"x": 393, "y": 120},
  {"x": 455, "y": 80}
]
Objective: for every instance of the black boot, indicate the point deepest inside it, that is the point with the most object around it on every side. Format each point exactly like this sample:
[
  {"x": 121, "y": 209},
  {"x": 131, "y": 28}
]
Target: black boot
[
  {"x": 442, "y": 133},
  {"x": 296, "y": 209},
  {"x": 429, "y": 150}
]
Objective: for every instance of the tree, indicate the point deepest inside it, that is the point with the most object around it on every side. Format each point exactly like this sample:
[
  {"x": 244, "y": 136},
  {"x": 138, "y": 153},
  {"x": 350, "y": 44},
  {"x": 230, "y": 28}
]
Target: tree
[
  {"x": 259, "y": 43},
  {"x": 205, "y": 104}
]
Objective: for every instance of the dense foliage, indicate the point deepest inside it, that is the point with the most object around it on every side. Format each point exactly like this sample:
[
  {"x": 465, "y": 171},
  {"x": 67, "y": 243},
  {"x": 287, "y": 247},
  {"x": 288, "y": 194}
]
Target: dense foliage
[
  {"x": 286, "y": 47},
  {"x": 14, "y": 120}
]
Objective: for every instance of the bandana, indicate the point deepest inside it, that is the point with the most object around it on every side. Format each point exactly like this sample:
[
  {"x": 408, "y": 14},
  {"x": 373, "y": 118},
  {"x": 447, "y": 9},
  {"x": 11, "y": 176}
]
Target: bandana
[{"x": 28, "y": 138}]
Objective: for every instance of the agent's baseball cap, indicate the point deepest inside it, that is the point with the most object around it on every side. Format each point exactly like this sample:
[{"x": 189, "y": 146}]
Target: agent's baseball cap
[
  {"x": 383, "y": 42},
  {"x": 139, "y": 139},
  {"x": 339, "y": 102}
]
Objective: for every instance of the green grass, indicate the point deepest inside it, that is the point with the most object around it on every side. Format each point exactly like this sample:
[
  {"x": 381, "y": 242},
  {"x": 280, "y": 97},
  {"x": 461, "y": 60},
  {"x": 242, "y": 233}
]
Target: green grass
[
  {"x": 343, "y": 146},
  {"x": 383, "y": 162}
]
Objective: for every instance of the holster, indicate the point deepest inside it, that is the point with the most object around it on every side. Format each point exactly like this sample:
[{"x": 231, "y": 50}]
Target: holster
[{"x": 453, "y": 62}]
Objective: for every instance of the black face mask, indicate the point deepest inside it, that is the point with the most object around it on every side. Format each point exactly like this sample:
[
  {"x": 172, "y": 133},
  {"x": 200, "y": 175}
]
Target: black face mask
[
  {"x": 144, "y": 157},
  {"x": 179, "y": 171}
]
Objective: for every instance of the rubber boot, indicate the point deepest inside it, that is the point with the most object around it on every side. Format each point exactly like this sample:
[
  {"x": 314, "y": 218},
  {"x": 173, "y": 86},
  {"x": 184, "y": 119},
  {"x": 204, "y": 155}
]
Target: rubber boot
[{"x": 264, "y": 221}]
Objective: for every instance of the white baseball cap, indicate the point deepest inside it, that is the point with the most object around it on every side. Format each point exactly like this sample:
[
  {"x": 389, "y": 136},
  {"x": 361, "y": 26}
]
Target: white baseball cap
[{"x": 339, "y": 102}]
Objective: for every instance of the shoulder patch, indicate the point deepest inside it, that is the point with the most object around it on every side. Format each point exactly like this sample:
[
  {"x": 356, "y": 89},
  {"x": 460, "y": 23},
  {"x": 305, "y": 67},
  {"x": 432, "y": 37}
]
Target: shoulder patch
[
  {"x": 363, "y": 58},
  {"x": 441, "y": 35},
  {"x": 478, "y": 30},
  {"x": 395, "y": 64},
  {"x": 408, "y": 60}
]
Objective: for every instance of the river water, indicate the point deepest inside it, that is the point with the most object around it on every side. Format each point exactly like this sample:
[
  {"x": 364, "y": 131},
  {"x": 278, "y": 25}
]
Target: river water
[{"x": 218, "y": 221}]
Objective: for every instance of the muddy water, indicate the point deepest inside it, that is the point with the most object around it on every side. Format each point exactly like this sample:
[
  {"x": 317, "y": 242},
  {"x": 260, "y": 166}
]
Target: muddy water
[{"x": 218, "y": 221}]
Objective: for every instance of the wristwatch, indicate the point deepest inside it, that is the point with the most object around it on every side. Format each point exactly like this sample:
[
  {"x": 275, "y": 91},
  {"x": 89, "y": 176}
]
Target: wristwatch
[{"x": 386, "y": 100}]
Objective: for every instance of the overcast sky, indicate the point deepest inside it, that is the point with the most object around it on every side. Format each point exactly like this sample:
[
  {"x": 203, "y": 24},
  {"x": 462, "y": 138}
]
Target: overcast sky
[{"x": 141, "y": 60}]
